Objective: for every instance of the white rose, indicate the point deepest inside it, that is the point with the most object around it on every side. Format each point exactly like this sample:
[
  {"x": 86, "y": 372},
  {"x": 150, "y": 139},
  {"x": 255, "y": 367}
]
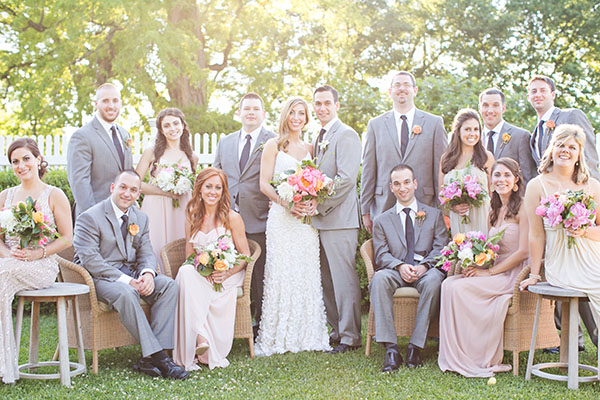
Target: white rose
[
  {"x": 465, "y": 254},
  {"x": 285, "y": 191},
  {"x": 164, "y": 180},
  {"x": 230, "y": 258},
  {"x": 184, "y": 185},
  {"x": 7, "y": 220}
]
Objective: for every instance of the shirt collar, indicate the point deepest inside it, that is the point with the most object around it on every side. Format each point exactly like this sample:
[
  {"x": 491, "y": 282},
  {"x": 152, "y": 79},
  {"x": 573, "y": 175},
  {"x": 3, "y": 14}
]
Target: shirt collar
[
  {"x": 547, "y": 114},
  {"x": 496, "y": 129},
  {"x": 328, "y": 126},
  {"x": 105, "y": 125},
  {"x": 410, "y": 115},
  {"x": 413, "y": 206},
  {"x": 118, "y": 211},
  {"x": 254, "y": 134}
]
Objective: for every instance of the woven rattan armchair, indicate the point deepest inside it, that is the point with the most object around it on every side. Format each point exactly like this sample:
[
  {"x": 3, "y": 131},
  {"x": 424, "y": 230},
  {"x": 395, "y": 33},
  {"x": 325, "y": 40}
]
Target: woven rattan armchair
[
  {"x": 406, "y": 300},
  {"x": 100, "y": 324},
  {"x": 173, "y": 255},
  {"x": 518, "y": 323}
]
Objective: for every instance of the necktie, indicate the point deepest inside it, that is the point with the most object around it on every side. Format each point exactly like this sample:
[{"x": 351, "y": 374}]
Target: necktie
[
  {"x": 490, "y": 144},
  {"x": 403, "y": 135},
  {"x": 245, "y": 153},
  {"x": 124, "y": 227},
  {"x": 319, "y": 138},
  {"x": 409, "y": 231},
  {"x": 540, "y": 135},
  {"x": 117, "y": 144}
]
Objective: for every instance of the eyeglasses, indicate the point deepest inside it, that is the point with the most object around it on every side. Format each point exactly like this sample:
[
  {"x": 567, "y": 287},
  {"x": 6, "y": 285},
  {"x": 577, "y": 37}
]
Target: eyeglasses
[{"x": 399, "y": 85}]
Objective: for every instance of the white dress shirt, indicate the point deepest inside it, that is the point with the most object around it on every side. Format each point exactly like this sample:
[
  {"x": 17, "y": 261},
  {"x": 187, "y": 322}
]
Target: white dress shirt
[
  {"x": 410, "y": 116},
  {"x": 107, "y": 126},
  {"x": 545, "y": 118},
  {"x": 242, "y": 140},
  {"x": 414, "y": 208},
  {"x": 496, "y": 138}
]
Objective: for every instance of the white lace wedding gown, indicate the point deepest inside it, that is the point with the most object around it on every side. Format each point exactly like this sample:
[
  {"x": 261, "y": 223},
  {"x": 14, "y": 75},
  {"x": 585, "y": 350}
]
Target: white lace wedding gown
[{"x": 293, "y": 314}]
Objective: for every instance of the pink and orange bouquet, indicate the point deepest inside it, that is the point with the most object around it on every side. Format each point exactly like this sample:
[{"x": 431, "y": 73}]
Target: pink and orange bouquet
[
  {"x": 572, "y": 209},
  {"x": 462, "y": 190},
  {"x": 218, "y": 256},
  {"x": 175, "y": 178},
  {"x": 470, "y": 249},
  {"x": 28, "y": 223},
  {"x": 307, "y": 182}
]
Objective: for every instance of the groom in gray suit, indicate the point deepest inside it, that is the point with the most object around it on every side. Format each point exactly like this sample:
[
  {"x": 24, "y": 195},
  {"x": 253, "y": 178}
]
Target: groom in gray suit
[
  {"x": 112, "y": 242},
  {"x": 406, "y": 238},
  {"x": 98, "y": 151},
  {"x": 501, "y": 138},
  {"x": 337, "y": 150},
  {"x": 239, "y": 154},
  {"x": 404, "y": 135}
]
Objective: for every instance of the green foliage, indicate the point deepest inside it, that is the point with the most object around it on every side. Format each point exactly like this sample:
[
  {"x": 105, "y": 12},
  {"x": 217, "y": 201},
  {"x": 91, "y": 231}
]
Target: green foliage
[{"x": 55, "y": 177}]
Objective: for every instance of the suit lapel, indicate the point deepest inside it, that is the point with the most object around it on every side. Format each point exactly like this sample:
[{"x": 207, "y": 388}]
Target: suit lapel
[
  {"x": 253, "y": 152},
  {"x": 104, "y": 137},
  {"x": 549, "y": 132},
  {"x": 418, "y": 224},
  {"x": 505, "y": 129},
  {"x": 393, "y": 131},
  {"x": 418, "y": 119},
  {"x": 116, "y": 227},
  {"x": 397, "y": 222}
]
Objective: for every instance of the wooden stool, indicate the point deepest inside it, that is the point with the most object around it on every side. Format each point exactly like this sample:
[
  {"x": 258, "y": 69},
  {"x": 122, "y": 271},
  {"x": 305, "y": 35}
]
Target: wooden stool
[
  {"x": 58, "y": 293},
  {"x": 568, "y": 338}
]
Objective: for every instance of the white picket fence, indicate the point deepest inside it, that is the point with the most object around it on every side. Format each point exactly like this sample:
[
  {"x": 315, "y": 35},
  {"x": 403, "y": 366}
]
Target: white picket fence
[{"x": 54, "y": 148}]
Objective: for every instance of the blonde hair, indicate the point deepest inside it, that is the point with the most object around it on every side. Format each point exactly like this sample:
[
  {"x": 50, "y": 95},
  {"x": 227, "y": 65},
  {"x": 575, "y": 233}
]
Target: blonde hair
[
  {"x": 581, "y": 174},
  {"x": 284, "y": 130}
]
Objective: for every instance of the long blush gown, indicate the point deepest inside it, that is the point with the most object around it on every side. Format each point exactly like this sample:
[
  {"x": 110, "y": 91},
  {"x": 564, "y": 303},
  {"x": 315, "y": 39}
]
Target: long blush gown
[
  {"x": 16, "y": 275},
  {"x": 472, "y": 313},
  {"x": 166, "y": 223},
  {"x": 202, "y": 311}
]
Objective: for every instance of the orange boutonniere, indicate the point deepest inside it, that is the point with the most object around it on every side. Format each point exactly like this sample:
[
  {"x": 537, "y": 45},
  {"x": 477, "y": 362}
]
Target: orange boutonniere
[
  {"x": 550, "y": 124},
  {"x": 133, "y": 229},
  {"x": 505, "y": 138},
  {"x": 416, "y": 130},
  {"x": 128, "y": 142},
  {"x": 421, "y": 215}
]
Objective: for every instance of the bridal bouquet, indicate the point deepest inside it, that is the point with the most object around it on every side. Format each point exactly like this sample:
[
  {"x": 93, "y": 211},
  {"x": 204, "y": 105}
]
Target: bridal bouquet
[
  {"x": 470, "y": 249},
  {"x": 26, "y": 222},
  {"x": 572, "y": 209},
  {"x": 461, "y": 190},
  {"x": 307, "y": 182},
  {"x": 218, "y": 256},
  {"x": 175, "y": 178}
]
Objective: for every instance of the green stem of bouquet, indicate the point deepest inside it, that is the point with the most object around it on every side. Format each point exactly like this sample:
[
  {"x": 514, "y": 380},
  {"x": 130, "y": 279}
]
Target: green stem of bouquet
[
  {"x": 465, "y": 219},
  {"x": 175, "y": 203}
]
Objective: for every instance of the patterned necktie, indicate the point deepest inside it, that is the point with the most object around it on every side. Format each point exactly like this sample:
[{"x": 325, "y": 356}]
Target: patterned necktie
[
  {"x": 490, "y": 144},
  {"x": 245, "y": 153},
  {"x": 125, "y": 219},
  {"x": 409, "y": 231},
  {"x": 403, "y": 135},
  {"x": 117, "y": 144},
  {"x": 319, "y": 139},
  {"x": 540, "y": 135}
]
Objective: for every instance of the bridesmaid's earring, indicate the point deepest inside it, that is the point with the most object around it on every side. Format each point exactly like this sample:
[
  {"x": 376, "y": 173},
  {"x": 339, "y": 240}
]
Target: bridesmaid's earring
[
  {"x": 515, "y": 188},
  {"x": 577, "y": 164}
]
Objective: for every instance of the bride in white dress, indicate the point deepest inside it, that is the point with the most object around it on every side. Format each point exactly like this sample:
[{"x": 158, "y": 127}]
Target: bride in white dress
[{"x": 293, "y": 314}]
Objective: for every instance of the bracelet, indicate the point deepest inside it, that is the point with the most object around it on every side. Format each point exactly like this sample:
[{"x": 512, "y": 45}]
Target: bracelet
[
  {"x": 534, "y": 276},
  {"x": 44, "y": 254}
]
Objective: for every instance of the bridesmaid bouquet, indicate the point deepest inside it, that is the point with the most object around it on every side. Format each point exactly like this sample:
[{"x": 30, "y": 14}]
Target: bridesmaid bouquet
[
  {"x": 461, "y": 190},
  {"x": 307, "y": 182},
  {"x": 26, "y": 222},
  {"x": 470, "y": 249},
  {"x": 218, "y": 256},
  {"x": 572, "y": 209},
  {"x": 175, "y": 178}
]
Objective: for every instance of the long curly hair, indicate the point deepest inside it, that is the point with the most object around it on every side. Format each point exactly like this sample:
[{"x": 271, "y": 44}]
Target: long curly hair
[
  {"x": 32, "y": 146},
  {"x": 160, "y": 143},
  {"x": 581, "y": 173},
  {"x": 284, "y": 130},
  {"x": 196, "y": 211},
  {"x": 516, "y": 197},
  {"x": 454, "y": 151}
]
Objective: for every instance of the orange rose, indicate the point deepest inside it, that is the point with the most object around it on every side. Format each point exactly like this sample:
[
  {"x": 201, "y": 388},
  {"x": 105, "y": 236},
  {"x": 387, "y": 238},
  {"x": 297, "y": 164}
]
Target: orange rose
[
  {"x": 220, "y": 265},
  {"x": 550, "y": 124},
  {"x": 203, "y": 258},
  {"x": 480, "y": 259},
  {"x": 38, "y": 217},
  {"x": 490, "y": 252},
  {"x": 133, "y": 229},
  {"x": 416, "y": 129},
  {"x": 459, "y": 238},
  {"x": 505, "y": 138}
]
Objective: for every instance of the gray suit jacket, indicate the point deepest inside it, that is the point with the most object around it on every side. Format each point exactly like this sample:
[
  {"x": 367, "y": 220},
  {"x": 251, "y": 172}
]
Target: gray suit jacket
[
  {"x": 253, "y": 204},
  {"x": 93, "y": 164},
  {"x": 382, "y": 153},
  {"x": 389, "y": 241},
  {"x": 341, "y": 159},
  {"x": 99, "y": 245},
  {"x": 516, "y": 148},
  {"x": 577, "y": 117}
]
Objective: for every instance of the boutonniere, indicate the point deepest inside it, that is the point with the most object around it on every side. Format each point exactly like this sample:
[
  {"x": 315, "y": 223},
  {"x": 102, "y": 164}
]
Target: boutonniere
[
  {"x": 323, "y": 145},
  {"x": 421, "y": 215},
  {"x": 128, "y": 143},
  {"x": 260, "y": 147},
  {"x": 505, "y": 138},
  {"x": 416, "y": 130},
  {"x": 133, "y": 230},
  {"x": 550, "y": 124}
]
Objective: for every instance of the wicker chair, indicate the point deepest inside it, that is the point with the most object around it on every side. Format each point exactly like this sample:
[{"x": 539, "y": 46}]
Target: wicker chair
[
  {"x": 173, "y": 255},
  {"x": 101, "y": 326},
  {"x": 406, "y": 300},
  {"x": 518, "y": 323}
]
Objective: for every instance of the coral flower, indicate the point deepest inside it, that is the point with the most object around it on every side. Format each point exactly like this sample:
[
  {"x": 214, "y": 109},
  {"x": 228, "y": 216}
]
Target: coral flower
[
  {"x": 220, "y": 265},
  {"x": 38, "y": 217},
  {"x": 459, "y": 238},
  {"x": 480, "y": 259}
]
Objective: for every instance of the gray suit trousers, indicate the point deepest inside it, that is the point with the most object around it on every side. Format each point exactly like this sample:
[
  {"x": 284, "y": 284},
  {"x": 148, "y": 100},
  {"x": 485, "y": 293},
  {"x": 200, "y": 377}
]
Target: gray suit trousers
[
  {"x": 341, "y": 288},
  {"x": 258, "y": 277},
  {"x": 156, "y": 335},
  {"x": 382, "y": 288}
]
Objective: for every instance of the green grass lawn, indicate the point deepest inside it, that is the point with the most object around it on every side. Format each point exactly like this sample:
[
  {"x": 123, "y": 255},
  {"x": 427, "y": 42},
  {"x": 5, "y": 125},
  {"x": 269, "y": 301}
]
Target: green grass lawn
[{"x": 307, "y": 375}]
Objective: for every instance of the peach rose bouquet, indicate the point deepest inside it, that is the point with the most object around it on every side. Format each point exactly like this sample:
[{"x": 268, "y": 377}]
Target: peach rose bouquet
[
  {"x": 218, "y": 256},
  {"x": 471, "y": 249}
]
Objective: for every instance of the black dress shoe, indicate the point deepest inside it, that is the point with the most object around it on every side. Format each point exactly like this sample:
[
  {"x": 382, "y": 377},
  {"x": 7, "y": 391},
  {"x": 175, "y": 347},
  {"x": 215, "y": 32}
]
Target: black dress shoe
[
  {"x": 551, "y": 350},
  {"x": 333, "y": 342},
  {"x": 145, "y": 366},
  {"x": 413, "y": 357},
  {"x": 392, "y": 360},
  {"x": 169, "y": 369},
  {"x": 342, "y": 348}
]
